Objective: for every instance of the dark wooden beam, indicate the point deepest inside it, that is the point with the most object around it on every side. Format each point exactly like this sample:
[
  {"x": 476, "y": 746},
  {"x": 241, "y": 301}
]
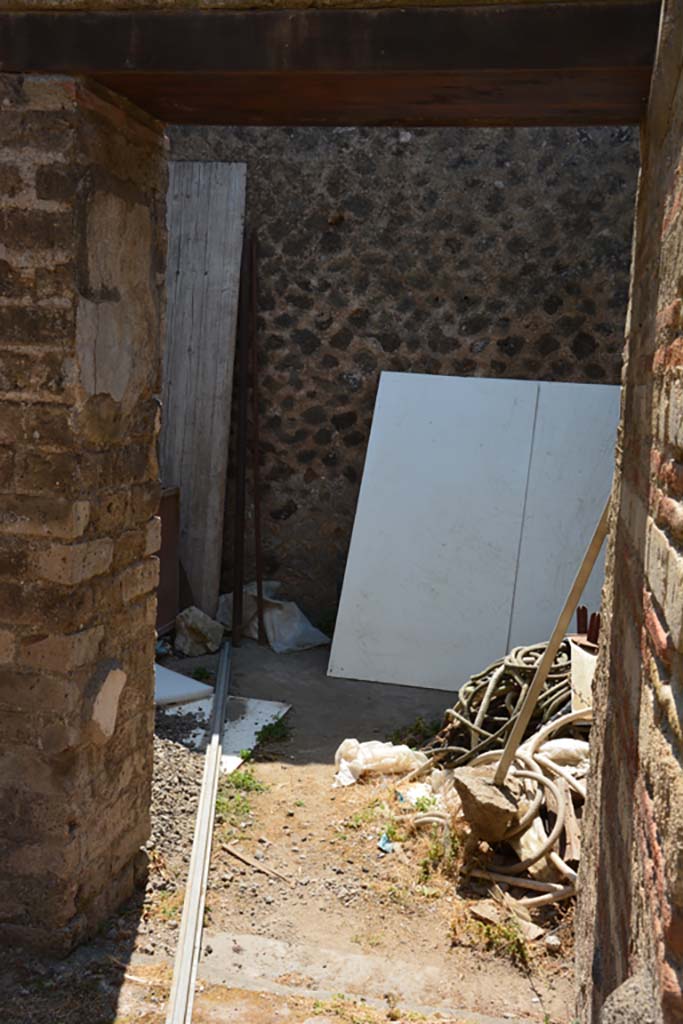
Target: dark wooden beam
[
  {"x": 569, "y": 63},
  {"x": 295, "y": 98}
]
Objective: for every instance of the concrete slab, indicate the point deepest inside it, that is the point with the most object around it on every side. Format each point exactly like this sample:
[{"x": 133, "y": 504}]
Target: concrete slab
[
  {"x": 283, "y": 968},
  {"x": 324, "y": 710}
]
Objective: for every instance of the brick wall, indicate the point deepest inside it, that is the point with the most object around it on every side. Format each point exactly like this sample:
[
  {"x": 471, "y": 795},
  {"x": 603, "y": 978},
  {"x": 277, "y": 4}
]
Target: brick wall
[
  {"x": 492, "y": 252},
  {"x": 630, "y": 937},
  {"x": 82, "y": 249}
]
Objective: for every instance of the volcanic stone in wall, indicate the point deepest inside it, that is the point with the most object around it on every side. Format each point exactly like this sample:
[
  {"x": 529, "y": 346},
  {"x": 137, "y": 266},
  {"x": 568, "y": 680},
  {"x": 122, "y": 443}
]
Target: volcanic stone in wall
[{"x": 478, "y": 252}]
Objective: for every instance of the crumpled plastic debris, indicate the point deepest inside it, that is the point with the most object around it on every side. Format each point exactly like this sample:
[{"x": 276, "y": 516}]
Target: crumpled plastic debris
[
  {"x": 287, "y": 628},
  {"x": 385, "y": 844},
  {"x": 354, "y": 759}
]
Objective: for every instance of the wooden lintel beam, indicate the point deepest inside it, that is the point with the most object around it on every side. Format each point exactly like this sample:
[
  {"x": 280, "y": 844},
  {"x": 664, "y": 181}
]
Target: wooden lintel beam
[
  {"x": 592, "y": 97},
  {"x": 583, "y": 62},
  {"x": 502, "y": 36}
]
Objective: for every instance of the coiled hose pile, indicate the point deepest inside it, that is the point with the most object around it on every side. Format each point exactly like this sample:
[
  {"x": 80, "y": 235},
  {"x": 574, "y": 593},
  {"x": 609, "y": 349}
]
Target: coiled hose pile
[{"x": 489, "y": 703}]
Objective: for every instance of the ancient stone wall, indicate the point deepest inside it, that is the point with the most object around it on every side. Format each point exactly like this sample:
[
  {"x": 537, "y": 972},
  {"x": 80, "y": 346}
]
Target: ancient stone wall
[
  {"x": 482, "y": 252},
  {"x": 630, "y": 935},
  {"x": 82, "y": 251}
]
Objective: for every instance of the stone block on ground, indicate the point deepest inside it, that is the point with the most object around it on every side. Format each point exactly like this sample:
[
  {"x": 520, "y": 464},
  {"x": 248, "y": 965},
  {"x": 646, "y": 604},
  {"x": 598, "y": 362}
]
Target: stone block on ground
[
  {"x": 196, "y": 633},
  {"x": 489, "y": 809}
]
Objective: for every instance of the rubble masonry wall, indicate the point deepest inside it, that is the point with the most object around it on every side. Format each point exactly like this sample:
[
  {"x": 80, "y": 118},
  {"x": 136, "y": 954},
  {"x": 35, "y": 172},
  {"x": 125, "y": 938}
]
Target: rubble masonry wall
[
  {"x": 82, "y": 253},
  {"x": 493, "y": 252},
  {"x": 630, "y": 920}
]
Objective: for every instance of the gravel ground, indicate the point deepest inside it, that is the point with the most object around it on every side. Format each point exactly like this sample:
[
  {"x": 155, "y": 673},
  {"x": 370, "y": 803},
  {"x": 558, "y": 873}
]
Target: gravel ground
[{"x": 175, "y": 788}]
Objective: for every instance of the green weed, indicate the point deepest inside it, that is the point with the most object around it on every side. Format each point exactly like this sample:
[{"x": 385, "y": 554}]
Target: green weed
[
  {"x": 423, "y": 803},
  {"x": 232, "y": 803},
  {"x": 364, "y": 816},
  {"x": 506, "y": 940},
  {"x": 274, "y": 732},
  {"x": 245, "y": 780},
  {"x": 416, "y": 733}
]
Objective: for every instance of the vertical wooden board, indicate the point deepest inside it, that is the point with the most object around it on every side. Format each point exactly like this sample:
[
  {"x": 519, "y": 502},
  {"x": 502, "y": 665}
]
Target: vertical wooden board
[
  {"x": 429, "y": 580},
  {"x": 570, "y": 476},
  {"x": 206, "y": 210}
]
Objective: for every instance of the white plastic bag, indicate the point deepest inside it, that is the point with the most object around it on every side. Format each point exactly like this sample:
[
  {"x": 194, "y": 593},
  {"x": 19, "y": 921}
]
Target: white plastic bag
[
  {"x": 354, "y": 759},
  {"x": 287, "y": 628}
]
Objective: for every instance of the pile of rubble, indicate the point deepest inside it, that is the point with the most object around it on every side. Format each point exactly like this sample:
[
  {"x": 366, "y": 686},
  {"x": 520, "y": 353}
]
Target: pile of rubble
[{"x": 523, "y": 835}]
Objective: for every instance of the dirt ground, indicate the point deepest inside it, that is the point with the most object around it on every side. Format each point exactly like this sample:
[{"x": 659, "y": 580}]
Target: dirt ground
[{"x": 344, "y": 933}]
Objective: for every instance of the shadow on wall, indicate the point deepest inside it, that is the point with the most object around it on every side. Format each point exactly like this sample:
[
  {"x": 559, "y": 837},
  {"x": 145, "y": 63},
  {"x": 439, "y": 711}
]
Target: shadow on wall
[{"x": 83, "y": 988}]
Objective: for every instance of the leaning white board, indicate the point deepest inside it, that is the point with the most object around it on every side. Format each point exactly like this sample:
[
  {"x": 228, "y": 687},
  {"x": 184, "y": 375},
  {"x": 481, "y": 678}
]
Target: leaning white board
[
  {"x": 431, "y": 568},
  {"x": 570, "y": 477},
  {"x": 454, "y": 485}
]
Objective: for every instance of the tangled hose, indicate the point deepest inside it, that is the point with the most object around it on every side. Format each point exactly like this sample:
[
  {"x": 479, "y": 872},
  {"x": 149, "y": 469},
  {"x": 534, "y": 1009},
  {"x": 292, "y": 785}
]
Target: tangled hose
[
  {"x": 489, "y": 704},
  {"x": 529, "y": 764}
]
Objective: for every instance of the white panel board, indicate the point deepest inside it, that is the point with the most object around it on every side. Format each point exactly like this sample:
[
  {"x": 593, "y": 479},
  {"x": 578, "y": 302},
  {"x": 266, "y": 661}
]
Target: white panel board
[
  {"x": 429, "y": 580},
  {"x": 570, "y": 477},
  {"x": 174, "y": 688}
]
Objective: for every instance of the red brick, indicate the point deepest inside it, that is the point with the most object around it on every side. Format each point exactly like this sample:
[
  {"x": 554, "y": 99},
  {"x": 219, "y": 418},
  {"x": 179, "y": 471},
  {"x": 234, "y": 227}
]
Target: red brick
[
  {"x": 15, "y": 283},
  {"x": 40, "y": 372},
  {"x": 35, "y": 129},
  {"x": 134, "y": 464},
  {"x": 31, "y": 691},
  {"x": 669, "y": 321},
  {"x": 153, "y": 536},
  {"x": 110, "y": 512},
  {"x": 11, "y": 422},
  {"x": 11, "y": 182},
  {"x": 58, "y": 279},
  {"x": 29, "y": 516},
  {"x": 73, "y": 563},
  {"x": 57, "y": 181},
  {"x": 144, "y": 502},
  {"x": 61, "y": 652},
  {"x": 7, "y": 645},
  {"x": 44, "y": 423},
  {"x": 130, "y": 547},
  {"x": 139, "y": 579},
  {"x": 55, "y": 473},
  {"x": 668, "y": 357},
  {"x": 13, "y": 557},
  {"x": 22, "y": 325},
  {"x": 659, "y": 636},
  {"x": 670, "y": 476},
  {"x": 669, "y": 515},
  {"x": 35, "y": 229},
  {"x": 6, "y": 467}
]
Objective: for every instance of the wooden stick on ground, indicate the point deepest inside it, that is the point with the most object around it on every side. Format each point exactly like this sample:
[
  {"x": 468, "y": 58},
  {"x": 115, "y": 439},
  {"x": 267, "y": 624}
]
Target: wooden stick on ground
[
  {"x": 544, "y": 665},
  {"x": 255, "y": 864}
]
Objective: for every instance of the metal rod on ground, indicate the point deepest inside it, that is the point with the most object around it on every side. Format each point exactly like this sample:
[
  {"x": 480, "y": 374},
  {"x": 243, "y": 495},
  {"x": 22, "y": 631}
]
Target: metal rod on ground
[
  {"x": 241, "y": 445},
  {"x": 190, "y": 934},
  {"x": 558, "y": 634},
  {"x": 256, "y": 448}
]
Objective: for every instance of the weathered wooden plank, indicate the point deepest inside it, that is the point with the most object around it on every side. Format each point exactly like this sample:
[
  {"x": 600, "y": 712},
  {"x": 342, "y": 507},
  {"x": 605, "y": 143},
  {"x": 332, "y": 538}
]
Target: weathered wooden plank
[{"x": 206, "y": 204}]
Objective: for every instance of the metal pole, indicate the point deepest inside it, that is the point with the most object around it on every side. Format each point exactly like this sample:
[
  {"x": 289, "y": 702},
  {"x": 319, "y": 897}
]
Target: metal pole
[
  {"x": 256, "y": 450},
  {"x": 241, "y": 445}
]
